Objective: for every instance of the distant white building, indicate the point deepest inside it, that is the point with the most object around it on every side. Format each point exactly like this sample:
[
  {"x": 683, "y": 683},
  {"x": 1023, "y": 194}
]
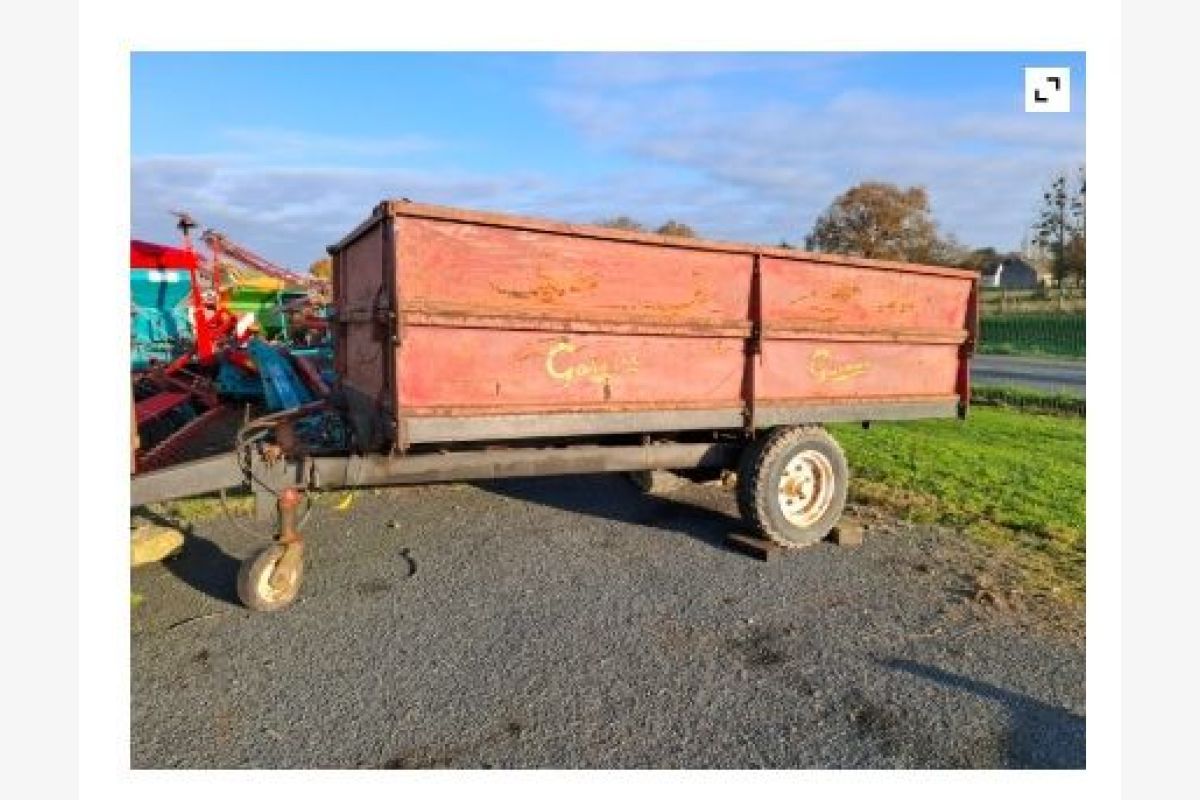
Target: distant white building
[
  {"x": 1038, "y": 257},
  {"x": 1010, "y": 272}
]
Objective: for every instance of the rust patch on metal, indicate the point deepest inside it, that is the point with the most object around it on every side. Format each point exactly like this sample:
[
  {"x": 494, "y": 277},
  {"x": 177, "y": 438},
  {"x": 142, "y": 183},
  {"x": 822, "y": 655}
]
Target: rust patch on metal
[
  {"x": 536, "y": 350},
  {"x": 567, "y": 320},
  {"x": 845, "y": 291},
  {"x": 699, "y": 297},
  {"x": 552, "y": 287},
  {"x": 824, "y": 369},
  {"x": 821, "y": 314},
  {"x": 896, "y": 306},
  {"x": 800, "y": 298}
]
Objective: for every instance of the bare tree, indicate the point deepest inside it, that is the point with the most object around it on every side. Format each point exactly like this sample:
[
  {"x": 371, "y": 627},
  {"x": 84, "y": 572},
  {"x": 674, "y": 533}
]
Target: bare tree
[
  {"x": 1060, "y": 225},
  {"x": 1077, "y": 244}
]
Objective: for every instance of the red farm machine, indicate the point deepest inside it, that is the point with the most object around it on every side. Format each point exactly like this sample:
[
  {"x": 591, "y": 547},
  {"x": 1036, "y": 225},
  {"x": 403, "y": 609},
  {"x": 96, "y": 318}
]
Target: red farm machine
[{"x": 213, "y": 338}]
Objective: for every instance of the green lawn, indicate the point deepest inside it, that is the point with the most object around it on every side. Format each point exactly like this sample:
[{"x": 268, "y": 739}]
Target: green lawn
[{"x": 1012, "y": 479}]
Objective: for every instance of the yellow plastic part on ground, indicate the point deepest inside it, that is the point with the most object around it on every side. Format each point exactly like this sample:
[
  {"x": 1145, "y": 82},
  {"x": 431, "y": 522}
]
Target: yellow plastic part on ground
[{"x": 151, "y": 543}]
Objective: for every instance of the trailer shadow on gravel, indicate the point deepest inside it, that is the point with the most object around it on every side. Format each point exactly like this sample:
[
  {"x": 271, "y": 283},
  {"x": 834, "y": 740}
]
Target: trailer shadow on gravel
[
  {"x": 201, "y": 564},
  {"x": 1041, "y": 736},
  {"x": 614, "y": 497}
]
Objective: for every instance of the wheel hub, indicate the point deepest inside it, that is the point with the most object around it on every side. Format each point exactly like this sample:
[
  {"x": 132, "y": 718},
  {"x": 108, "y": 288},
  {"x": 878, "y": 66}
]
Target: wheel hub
[{"x": 806, "y": 488}]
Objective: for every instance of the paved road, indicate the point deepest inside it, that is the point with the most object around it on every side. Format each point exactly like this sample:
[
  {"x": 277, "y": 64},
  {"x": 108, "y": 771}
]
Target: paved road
[
  {"x": 573, "y": 622},
  {"x": 1043, "y": 374}
]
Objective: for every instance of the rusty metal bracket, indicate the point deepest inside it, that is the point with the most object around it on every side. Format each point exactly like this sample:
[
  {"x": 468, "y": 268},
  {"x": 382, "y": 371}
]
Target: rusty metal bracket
[
  {"x": 270, "y": 478},
  {"x": 387, "y": 319},
  {"x": 754, "y": 348},
  {"x": 966, "y": 350},
  {"x": 395, "y": 425}
]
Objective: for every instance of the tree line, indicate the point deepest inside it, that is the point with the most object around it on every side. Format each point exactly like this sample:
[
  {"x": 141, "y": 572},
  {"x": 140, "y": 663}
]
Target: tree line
[
  {"x": 882, "y": 220},
  {"x": 875, "y": 219},
  {"x": 668, "y": 228}
]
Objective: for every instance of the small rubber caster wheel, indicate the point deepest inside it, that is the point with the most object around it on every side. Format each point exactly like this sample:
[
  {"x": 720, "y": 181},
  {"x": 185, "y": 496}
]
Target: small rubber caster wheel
[{"x": 270, "y": 579}]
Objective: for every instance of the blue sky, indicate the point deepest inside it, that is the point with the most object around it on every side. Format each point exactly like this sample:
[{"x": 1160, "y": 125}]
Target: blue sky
[{"x": 287, "y": 152}]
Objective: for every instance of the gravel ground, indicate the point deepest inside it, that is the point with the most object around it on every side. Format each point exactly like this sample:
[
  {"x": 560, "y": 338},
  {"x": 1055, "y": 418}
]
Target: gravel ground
[{"x": 574, "y": 622}]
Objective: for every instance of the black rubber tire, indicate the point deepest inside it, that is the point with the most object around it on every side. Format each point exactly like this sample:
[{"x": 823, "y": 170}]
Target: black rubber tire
[
  {"x": 254, "y": 574},
  {"x": 759, "y": 475}
]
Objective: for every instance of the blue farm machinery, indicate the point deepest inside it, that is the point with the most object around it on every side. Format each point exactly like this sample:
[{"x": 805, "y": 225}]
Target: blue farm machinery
[{"x": 214, "y": 340}]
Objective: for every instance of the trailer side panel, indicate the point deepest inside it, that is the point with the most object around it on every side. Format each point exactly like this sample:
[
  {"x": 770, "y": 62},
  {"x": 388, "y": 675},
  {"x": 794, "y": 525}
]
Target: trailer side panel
[{"x": 506, "y": 327}]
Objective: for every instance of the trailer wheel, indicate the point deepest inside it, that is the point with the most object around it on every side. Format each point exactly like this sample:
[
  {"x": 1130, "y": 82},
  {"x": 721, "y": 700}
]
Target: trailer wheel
[
  {"x": 792, "y": 485},
  {"x": 270, "y": 579}
]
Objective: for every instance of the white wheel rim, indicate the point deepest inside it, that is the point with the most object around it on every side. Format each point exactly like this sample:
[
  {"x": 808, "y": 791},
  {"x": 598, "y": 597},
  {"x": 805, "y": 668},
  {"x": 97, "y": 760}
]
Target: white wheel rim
[
  {"x": 806, "y": 488},
  {"x": 264, "y": 588}
]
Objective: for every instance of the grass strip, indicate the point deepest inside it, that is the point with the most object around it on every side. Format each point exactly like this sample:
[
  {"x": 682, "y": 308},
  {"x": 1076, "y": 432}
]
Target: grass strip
[{"x": 1010, "y": 479}]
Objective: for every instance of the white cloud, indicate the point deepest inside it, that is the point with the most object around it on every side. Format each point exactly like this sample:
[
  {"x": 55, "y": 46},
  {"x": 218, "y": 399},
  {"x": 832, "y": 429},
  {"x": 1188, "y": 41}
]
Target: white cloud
[
  {"x": 1021, "y": 129},
  {"x": 984, "y": 167},
  {"x": 733, "y": 167},
  {"x": 290, "y": 214}
]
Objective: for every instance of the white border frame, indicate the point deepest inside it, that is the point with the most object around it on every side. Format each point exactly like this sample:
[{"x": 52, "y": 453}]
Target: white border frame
[{"x": 108, "y": 32}]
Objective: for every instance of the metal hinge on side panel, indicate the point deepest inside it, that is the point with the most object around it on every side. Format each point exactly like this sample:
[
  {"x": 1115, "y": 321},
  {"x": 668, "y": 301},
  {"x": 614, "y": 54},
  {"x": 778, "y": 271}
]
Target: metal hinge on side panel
[
  {"x": 754, "y": 346},
  {"x": 384, "y": 315},
  {"x": 387, "y": 319},
  {"x": 754, "y": 343},
  {"x": 396, "y": 425}
]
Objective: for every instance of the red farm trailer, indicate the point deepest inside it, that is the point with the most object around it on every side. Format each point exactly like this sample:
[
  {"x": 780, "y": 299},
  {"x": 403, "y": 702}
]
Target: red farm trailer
[{"x": 475, "y": 345}]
